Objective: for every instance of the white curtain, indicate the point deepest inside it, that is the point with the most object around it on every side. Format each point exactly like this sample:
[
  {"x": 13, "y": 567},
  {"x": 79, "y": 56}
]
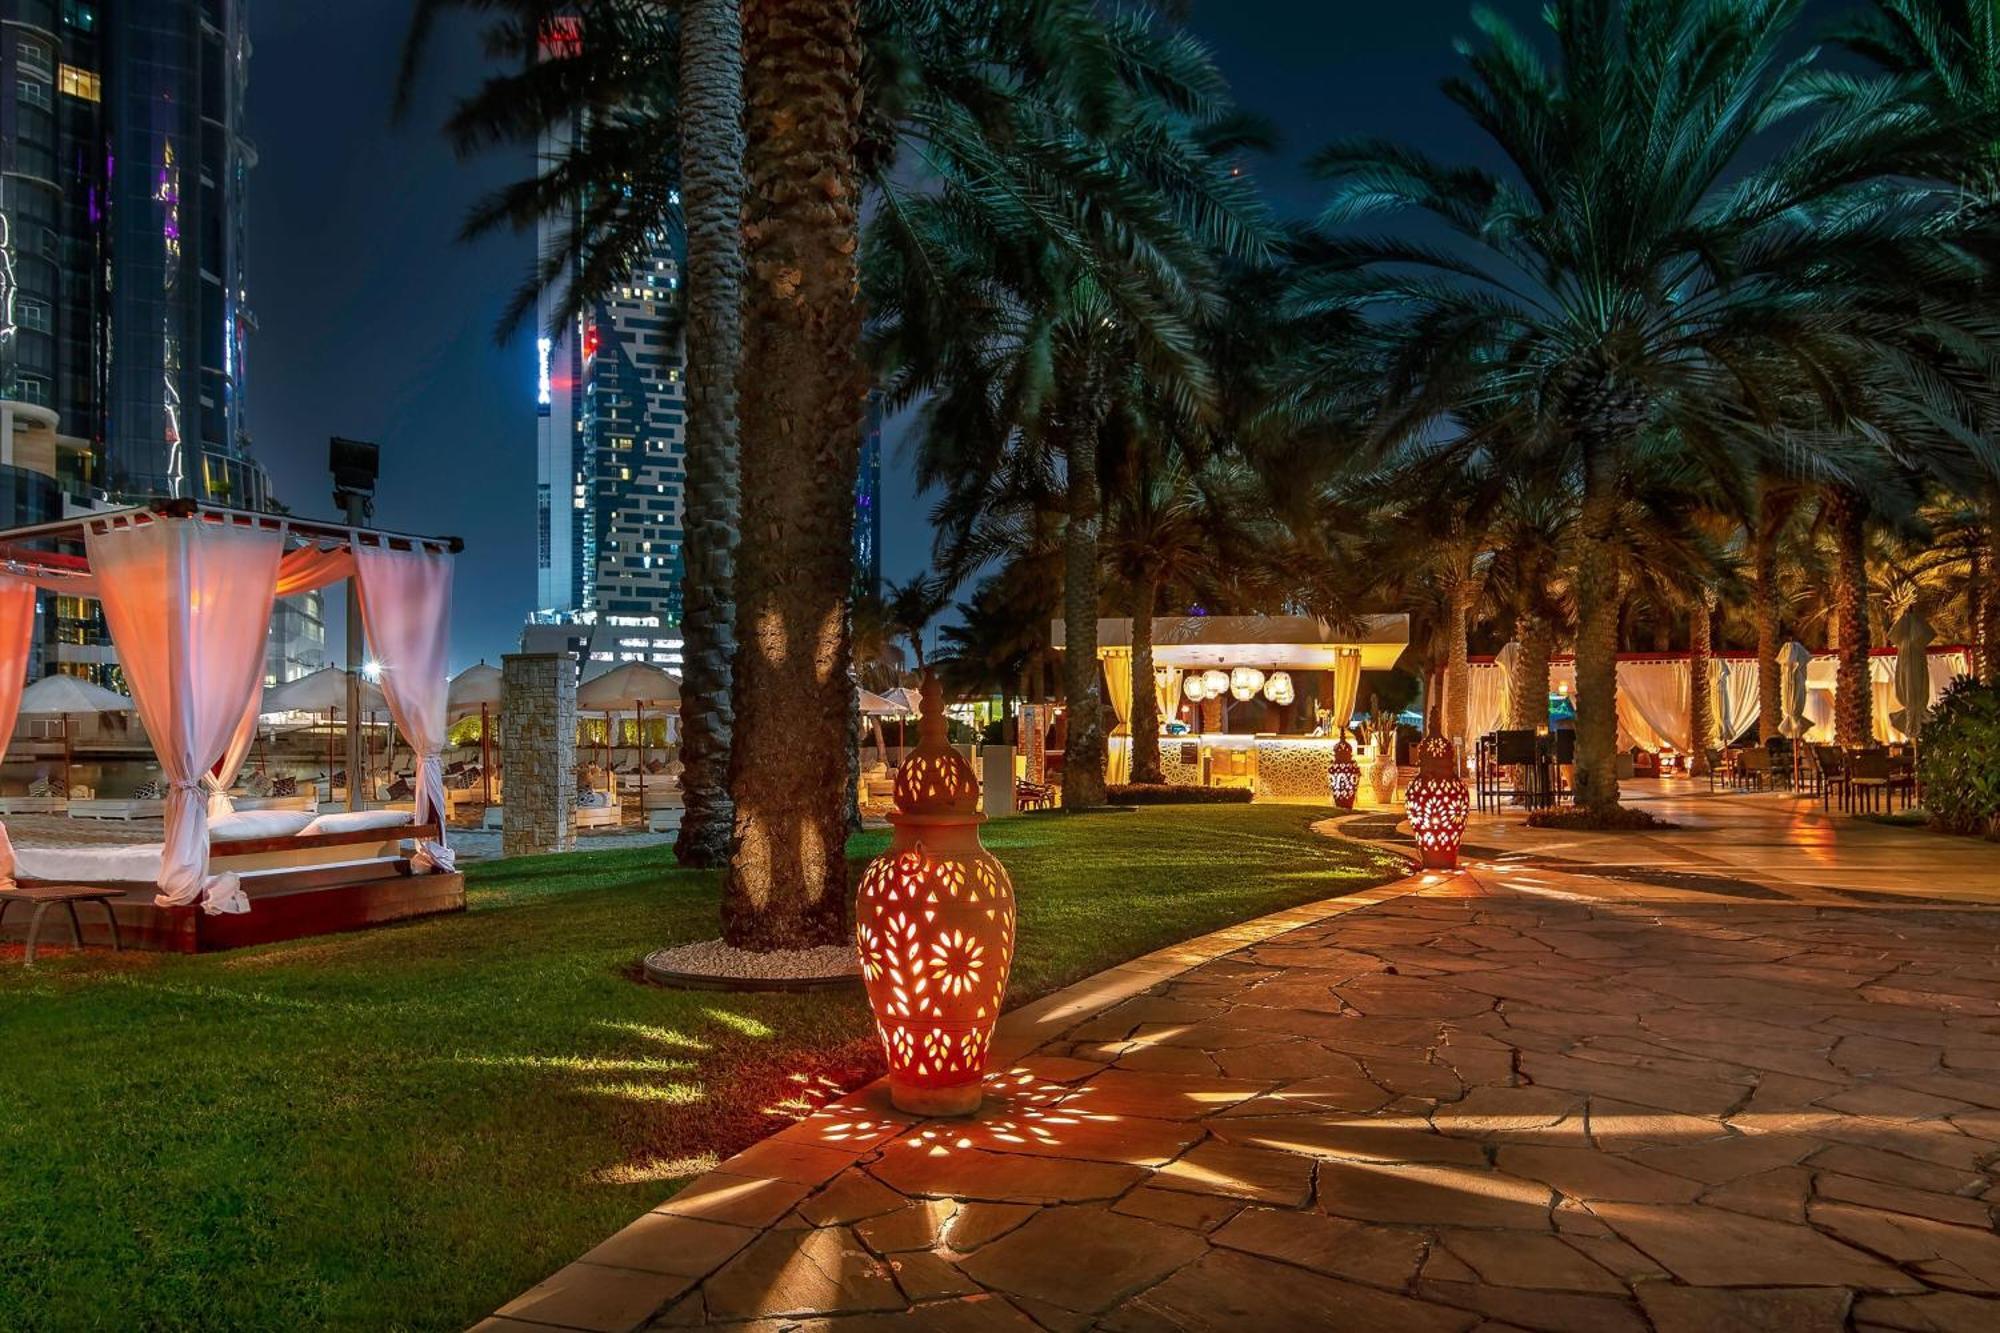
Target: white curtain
[
  {"x": 223, "y": 776},
  {"x": 1654, "y": 704},
  {"x": 1486, "y": 699},
  {"x": 406, "y": 610},
  {"x": 17, "y": 634},
  {"x": 1734, "y": 703},
  {"x": 188, "y": 602},
  {"x": 1167, "y": 690}
]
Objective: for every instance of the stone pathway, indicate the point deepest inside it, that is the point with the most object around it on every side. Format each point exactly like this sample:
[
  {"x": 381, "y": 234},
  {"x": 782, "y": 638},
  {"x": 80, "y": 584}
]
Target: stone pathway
[{"x": 1516, "y": 1097}]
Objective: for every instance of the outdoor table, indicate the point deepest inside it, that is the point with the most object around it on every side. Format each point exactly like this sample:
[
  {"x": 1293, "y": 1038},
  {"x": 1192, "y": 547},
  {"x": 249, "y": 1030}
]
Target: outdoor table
[{"x": 46, "y": 896}]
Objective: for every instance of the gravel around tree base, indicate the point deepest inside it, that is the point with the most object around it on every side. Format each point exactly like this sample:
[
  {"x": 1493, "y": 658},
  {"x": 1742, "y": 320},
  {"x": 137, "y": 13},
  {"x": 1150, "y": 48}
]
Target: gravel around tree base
[{"x": 713, "y": 958}]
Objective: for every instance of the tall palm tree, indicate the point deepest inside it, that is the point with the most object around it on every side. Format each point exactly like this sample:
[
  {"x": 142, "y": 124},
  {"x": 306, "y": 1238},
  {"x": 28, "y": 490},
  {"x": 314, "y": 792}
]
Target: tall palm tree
[
  {"x": 1844, "y": 511},
  {"x": 911, "y": 606},
  {"x": 1639, "y": 267},
  {"x": 1028, "y": 316},
  {"x": 1946, "y": 53},
  {"x": 806, "y": 391},
  {"x": 711, "y": 119}
]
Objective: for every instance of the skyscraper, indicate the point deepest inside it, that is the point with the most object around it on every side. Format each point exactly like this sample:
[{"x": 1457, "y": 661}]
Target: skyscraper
[
  {"x": 610, "y": 441},
  {"x": 124, "y": 311}
]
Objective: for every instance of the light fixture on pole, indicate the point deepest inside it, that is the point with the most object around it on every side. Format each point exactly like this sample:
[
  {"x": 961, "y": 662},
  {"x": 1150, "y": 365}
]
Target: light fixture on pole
[{"x": 355, "y": 465}]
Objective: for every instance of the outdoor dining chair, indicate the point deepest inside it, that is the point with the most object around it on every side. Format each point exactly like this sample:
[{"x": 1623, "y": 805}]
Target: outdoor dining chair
[{"x": 1834, "y": 775}]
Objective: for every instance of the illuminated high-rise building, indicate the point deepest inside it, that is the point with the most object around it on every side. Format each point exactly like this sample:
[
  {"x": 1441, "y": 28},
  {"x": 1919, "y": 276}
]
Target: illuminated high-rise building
[
  {"x": 124, "y": 316},
  {"x": 610, "y": 439}
]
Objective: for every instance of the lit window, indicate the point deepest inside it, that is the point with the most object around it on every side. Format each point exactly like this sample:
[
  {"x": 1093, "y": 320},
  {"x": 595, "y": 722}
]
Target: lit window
[{"x": 81, "y": 83}]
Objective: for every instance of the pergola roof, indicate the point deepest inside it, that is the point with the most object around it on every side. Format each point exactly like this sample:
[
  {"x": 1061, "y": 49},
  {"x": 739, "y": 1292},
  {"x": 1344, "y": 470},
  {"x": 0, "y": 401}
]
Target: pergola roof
[
  {"x": 1293, "y": 643},
  {"x": 28, "y": 548}
]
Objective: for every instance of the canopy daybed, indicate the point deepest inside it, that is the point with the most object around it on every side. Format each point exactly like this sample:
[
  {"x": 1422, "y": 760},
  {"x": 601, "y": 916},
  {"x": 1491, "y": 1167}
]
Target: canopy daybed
[{"x": 187, "y": 591}]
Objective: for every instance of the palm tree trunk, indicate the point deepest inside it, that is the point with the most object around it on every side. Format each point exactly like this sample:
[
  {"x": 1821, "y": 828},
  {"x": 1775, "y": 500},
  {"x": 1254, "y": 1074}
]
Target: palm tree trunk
[
  {"x": 1457, "y": 670},
  {"x": 1598, "y": 603},
  {"x": 1701, "y": 703},
  {"x": 1083, "y": 750},
  {"x": 1764, "y": 561},
  {"x": 786, "y": 887},
  {"x": 1986, "y": 619},
  {"x": 711, "y": 112},
  {"x": 1145, "y": 699},
  {"x": 1528, "y": 697},
  {"x": 1854, "y": 694}
]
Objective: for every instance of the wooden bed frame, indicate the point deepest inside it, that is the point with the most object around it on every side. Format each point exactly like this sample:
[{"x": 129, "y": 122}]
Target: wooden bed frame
[{"x": 298, "y": 886}]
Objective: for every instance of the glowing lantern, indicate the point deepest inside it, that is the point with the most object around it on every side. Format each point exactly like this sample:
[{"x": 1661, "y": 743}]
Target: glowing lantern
[
  {"x": 1436, "y": 803},
  {"x": 1244, "y": 682},
  {"x": 934, "y": 922},
  {"x": 1214, "y": 683},
  {"x": 1343, "y": 775},
  {"x": 1278, "y": 689},
  {"x": 1193, "y": 688}
]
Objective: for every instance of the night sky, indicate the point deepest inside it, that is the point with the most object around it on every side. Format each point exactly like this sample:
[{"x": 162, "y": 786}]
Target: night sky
[{"x": 375, "y": 322}]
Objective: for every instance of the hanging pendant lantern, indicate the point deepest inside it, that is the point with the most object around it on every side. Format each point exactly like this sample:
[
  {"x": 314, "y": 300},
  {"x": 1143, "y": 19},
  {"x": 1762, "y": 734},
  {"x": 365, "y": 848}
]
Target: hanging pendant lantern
[
  {"x": 1437, "y": 804},
  {"x": 1214, "y": 683},
  {"x": 1244, "y": 682},
  {"x": 1343, "y": 775},
  {"x": 1193, "y": 688},
  {"x": 1278, "y": 689},
  {"x": 934, "y": 923}
]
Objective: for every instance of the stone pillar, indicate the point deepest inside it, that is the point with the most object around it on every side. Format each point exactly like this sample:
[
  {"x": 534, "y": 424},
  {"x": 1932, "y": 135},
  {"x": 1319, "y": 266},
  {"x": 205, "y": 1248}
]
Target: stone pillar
[
  {"x": 538, "y": 753},
  {"x": 996, "y": 780}
]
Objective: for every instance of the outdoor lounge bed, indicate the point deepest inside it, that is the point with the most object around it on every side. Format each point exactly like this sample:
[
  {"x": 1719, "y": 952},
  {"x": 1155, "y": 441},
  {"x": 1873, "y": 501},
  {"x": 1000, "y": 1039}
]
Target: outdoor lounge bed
[
  {"x": 342, "y": 872},
  {"x": 118, "y": 807},
  {"x": 32, "y": 805}
]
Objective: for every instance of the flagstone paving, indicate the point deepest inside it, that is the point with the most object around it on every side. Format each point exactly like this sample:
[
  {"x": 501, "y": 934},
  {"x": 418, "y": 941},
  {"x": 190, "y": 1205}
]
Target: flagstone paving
[{"x": 1514, "y": 1097}]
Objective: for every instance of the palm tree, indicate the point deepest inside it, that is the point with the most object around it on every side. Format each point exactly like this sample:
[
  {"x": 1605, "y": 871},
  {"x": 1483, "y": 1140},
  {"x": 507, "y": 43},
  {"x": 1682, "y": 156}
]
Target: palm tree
[
  {"x": 1030, "y": 315},
  {"x": 786, "y": 884},
  {"x": 910, "y": 608},
  {"x": 1946, "y": 53},
  {"x": 1632, "y": 272},
  {"x": 1844, "y": 511},
  {"x": 711, "y": 118}
]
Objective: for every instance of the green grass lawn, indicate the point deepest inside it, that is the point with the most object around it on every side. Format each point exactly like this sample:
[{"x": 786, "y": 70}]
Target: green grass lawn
[{"x": 405, "y": 1127}]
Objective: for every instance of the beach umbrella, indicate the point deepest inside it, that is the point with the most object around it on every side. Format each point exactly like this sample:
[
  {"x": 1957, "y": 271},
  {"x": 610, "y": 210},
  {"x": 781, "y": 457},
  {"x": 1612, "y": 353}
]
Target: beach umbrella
[
  {"x": 325, "y": 691},
  {"x": 478, "y": 688},
  {"x": 630, "y": 687},
  {"x": 66, "y": 696},
  {"x": 906, "y": 705},
  {"x": 1793, "y": 659},
  {"x": 1912, "y": 636}
]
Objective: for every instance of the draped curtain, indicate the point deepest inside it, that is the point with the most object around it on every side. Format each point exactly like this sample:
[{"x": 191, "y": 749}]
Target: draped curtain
[
  {"x": 1487, "y": 694},
  {"x": 1733, "y": 690},
  {"x": 17, "y": 634},
  {"x": 223, "y": 776},
  {"x": 1118, "y": 687},
  {"x": 1167, "y": 689},
  {"x": 1346, "y": 684},
  {"x": 1655, "y": 703},
  {"x": 406, "y": 611},
  {"x": 188, "y": 603}
]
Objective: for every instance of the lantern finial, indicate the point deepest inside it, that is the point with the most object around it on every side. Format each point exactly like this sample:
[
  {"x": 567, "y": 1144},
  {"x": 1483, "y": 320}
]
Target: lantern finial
[{"x": 935, "y": 779}]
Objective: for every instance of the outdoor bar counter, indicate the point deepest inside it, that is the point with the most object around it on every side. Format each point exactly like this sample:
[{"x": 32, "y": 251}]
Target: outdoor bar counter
[{"x": 1274, "y": 768}]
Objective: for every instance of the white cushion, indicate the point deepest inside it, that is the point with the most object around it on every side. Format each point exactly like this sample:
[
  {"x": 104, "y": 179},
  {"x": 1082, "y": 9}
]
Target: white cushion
[
  {"x": 90, "y": 864},
  {"x": 257, "y": 824},
  {"x": 350, "y": 821}
]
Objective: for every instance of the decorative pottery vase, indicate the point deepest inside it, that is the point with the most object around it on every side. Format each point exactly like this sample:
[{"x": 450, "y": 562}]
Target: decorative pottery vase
[
  {"x": 1343, "y": 775},
  {"x": 934, "y": 923},
  {"x": 1383, "y": 776},
  {"x": 1437, "y": 803}
]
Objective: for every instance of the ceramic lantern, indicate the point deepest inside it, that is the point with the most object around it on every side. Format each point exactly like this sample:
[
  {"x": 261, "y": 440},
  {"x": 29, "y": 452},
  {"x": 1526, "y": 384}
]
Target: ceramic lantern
[
  {"x": 1437, "y": 804},
  {"x": 1343, "y": 775},
  {"x": 934, "y": 922}
]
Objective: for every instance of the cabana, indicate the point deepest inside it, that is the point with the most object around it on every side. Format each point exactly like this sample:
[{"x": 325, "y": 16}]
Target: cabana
[
  {"x": 1247, "y": 701},
  {"x": 187, "y": 591},
  {"x": 1655, "y": 709}
]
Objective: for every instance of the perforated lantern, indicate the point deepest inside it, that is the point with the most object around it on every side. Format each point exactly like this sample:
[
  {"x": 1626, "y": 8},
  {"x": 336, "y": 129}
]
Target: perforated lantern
[
  {"x": 934, "y": 922},
  {"x": 1278, "y": 689},
  {"x": 1214, "y": 683},
  {"x": 1436, "y": 803},
  {"x": 1192, "y": 687},
  {"x": 1244, "y": 682},
  {"x": 1343, "y": 775}
]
